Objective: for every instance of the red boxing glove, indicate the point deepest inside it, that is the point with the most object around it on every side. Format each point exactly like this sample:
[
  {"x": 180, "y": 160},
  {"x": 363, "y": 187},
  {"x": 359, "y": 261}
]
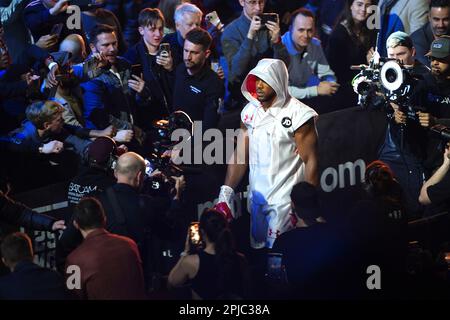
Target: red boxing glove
[{"x": 225, "y": 210}]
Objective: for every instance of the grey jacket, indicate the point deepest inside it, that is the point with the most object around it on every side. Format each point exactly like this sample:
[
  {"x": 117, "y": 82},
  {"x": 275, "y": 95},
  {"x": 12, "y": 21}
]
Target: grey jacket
[
  {"x": 307, "y": 68},
  {"x": 242, "y": 54}
]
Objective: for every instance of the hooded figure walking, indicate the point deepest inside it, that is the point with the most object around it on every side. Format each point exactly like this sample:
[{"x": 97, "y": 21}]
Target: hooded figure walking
[{"x": 278, "y": 141}]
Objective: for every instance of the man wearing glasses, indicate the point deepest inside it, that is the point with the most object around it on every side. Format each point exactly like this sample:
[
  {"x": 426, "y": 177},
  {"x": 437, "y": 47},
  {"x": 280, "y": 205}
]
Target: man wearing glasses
[{"x": 246, "y": 40}]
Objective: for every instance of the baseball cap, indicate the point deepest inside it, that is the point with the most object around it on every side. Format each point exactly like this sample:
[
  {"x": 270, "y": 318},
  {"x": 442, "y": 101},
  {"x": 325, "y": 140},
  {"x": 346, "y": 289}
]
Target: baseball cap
[
  {"x": 101, "y": 149},
  {"x": 440, "y": 48}
]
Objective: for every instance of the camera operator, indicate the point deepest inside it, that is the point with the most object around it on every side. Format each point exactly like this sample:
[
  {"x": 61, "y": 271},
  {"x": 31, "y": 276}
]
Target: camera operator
[
  {"x": 436, "y": 189},
  {"x": 145, "y": 219},
  {"x": 404, "y": 148},
  {"x": 94, "y": 176}
]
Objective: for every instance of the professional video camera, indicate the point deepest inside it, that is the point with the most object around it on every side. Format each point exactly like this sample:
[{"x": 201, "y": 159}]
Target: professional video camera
[
  {"x": 383, "y": 77},
  {"x": 160, "y": 157}
]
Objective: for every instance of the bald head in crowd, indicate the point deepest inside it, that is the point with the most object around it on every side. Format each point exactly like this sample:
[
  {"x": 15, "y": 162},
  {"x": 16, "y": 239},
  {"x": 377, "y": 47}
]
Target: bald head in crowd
[
  {"x": 74, "y": 43},
  {"x": 130, "y": 169}
]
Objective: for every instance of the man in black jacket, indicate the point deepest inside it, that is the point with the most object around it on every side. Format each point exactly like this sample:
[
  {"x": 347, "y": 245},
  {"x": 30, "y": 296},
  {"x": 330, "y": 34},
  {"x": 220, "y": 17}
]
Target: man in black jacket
[
  {"x": 157, "y": 68},
  {"x": 27, "y": 281}
]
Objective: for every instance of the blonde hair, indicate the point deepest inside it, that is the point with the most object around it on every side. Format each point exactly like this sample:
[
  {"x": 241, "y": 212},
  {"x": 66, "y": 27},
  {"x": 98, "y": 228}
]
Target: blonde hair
[{"x": 43, "y": 111}]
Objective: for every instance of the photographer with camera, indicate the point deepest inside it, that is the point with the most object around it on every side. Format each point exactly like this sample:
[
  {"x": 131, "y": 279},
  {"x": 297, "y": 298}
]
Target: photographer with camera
[
  {"x": 404, "y": 148},
  {"x": 94, "y": 176},
  {"x": 147, "y": 220},
  {"x": 156, "y": 64}
]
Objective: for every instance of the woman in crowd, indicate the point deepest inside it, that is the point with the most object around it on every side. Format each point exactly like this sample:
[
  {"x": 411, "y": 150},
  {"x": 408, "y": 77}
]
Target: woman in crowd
[
  {"x": 351, "y": 43},
  {"x": 216, "y": 271}
]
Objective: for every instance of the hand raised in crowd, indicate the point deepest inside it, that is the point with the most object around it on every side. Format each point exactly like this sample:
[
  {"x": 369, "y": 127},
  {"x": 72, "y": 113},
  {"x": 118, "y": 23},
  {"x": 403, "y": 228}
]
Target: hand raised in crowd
[
  {"x": 220, "y": 73},
  {"x": 426, "y": 120},
  {"x": 60, "y": 6},
  {"x": 165, "y": 62},
  {"x": 399, "y": 116},
  {"x": 137, "y": 84},
  {"x": 29, "y": 77},
  {"x": 327, "y": 88},
  {"x": 100, "y": 60},
  {"x": 123, "y": 136},
  {"x": 447, "y": 154},
  {"x": 59, "y": 225},
  {"x": 47, "y": 41},
  {"x": 369, "y": 54},
  {"x": 274, "y": 31},
  {"x": 180, "y": 185},
  {"x": 255, "y": 25},
  {"x": 51, "y": 76},
  {"x": 54, "y": 146}
]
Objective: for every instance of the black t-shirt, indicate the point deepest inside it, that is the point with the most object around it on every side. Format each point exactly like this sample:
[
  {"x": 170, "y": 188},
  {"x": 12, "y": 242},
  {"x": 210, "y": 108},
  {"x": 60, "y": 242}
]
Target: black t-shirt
[
  {"x": 89, "y": 181},
  {"x": 198, "y": 95}
]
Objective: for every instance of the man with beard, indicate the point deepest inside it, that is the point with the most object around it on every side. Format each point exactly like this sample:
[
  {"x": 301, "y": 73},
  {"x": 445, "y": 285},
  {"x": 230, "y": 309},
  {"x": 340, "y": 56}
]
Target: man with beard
[
  {"x": 438, "y": 25},
  {"x": 278, "y": 141},
  {"x": 107, "y": 98},
  {"x": 197, "y": 88},
  {"x": 438, "y": 97}
]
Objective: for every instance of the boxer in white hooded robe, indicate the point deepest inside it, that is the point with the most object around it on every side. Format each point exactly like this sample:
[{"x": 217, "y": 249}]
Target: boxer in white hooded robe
[{"x": 278, "y": 142}]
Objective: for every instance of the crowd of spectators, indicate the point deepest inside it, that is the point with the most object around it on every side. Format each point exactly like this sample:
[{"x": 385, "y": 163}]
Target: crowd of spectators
[{"x": 80, "y": 99}]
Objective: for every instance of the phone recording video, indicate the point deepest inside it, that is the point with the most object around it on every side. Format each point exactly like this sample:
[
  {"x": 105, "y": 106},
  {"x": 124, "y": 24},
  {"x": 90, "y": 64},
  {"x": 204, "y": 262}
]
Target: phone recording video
[
  {"x": 265, "y": 17},
  {"x": 194, "y": 234},
  {"x": 274, "y": 266},
  {"x": 164, "y": 50},
  {"x": 136, "y": 69},
  {"x": 213, "y": 18},
  {"x": 56, "y": 29}
]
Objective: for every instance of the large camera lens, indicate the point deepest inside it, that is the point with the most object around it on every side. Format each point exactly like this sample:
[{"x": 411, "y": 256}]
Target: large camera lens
[
  {"x": 363, "y": 88},
  {"x": 391, "y": 75}
]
